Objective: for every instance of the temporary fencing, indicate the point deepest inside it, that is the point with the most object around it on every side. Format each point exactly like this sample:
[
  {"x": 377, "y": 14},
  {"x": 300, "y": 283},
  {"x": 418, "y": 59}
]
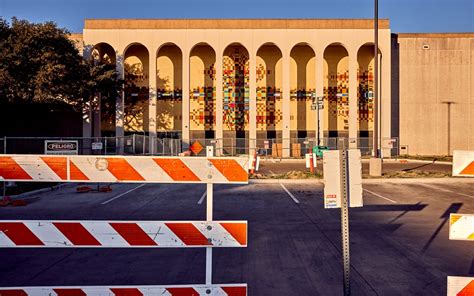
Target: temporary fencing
[{"x": 127, "y": 234}]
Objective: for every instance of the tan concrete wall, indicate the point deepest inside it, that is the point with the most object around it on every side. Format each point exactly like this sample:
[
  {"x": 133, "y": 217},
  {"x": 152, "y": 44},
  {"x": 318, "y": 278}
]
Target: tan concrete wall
[
  {"x": 428, "y": 79},
  {"x": 252, "y": 35}
]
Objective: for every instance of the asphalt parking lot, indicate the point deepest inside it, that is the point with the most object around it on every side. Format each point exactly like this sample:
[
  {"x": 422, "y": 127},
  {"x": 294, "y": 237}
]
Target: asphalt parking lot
[{"x": 399, "y": 239}]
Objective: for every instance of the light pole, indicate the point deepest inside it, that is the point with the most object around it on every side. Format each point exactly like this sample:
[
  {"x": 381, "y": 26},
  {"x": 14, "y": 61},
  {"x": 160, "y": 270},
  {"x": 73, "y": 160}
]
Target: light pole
[
  {"x": 449, "y": 103},
  {"x": 376, "y": 80}
]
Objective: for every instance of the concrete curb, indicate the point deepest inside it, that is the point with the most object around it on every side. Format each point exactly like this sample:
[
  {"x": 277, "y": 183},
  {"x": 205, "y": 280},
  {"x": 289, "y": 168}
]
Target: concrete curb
[
  {"x": 368, "y": 181},
  {"x": 364, "y": 160}
]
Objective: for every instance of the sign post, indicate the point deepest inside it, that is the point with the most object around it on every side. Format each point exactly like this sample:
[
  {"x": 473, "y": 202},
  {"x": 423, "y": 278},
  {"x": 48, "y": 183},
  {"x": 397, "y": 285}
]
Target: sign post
[
  {"x": 344, "y": 164},
  {"x": 343, "y": 189}
]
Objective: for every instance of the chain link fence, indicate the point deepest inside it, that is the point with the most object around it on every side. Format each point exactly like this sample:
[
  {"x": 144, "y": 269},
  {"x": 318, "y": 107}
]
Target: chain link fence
[{"x": 141, "y": 144}]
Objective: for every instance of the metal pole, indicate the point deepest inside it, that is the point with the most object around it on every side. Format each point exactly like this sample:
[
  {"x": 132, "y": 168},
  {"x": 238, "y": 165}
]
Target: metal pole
[
  {"x": 209, "y": 217},
  {"x": 317, "y": 101},
  {"x": 345, "y": 221},
  {"x": 376, "y": 80},
  {"x": 5, "y": 145}
]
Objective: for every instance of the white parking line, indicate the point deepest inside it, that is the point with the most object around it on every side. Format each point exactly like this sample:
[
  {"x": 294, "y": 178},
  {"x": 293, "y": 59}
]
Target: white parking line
[
  {"x": 381, "y": 196},
  {"x": 122, "y": 194},
  {"x": 202, "y": 198},
  {"x": 446, "y": 190},
  {"x": 289, "y": 193}
]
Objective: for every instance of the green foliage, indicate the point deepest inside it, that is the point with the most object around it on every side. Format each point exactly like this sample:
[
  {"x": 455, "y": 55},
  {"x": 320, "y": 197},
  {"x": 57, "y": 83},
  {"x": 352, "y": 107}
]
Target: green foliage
[{"x": 40, "y": 64}]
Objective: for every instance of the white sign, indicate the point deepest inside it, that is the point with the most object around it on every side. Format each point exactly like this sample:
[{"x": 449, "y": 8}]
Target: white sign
[
  {"x": 209, "y": 151},
  {"x": 332, "y": 179},
  {"x": 266, "y": 144},
  {"x": 61, "y": 147},
  {"x": 96, "y": 145},
  {"x": 309, "y": 157}
]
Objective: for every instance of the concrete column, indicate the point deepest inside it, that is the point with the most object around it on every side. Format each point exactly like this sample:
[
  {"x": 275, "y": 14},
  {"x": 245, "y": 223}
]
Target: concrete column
[
  {"x": 219, "y": 133},
  {"x": 286, "y": 104},
  {"x": 353, "y": 100},
  {"x": 320, "y": 93},
  {"x": 120, "y": 111},
  {"x": 152, "y": 101},
  {"x": 253, "y": 102},
  {"x": 385, "y": 99},
  {"x": 185, "y": 100}
]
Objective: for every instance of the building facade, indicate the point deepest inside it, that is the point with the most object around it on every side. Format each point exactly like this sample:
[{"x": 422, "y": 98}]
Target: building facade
[{"x": 240, "y": 83}]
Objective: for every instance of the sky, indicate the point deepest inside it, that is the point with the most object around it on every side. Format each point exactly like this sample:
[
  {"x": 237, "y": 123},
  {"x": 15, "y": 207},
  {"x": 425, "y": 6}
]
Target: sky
[{"x": 406, "y": 16}]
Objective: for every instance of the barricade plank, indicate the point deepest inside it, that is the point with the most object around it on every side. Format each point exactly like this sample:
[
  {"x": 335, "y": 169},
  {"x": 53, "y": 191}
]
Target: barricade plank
[{"x": 123, "y": 234}]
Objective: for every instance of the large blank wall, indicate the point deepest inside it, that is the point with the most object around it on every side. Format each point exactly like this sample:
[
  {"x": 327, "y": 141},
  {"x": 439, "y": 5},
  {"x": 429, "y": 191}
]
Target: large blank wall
[{"x": 428, "y": 78}]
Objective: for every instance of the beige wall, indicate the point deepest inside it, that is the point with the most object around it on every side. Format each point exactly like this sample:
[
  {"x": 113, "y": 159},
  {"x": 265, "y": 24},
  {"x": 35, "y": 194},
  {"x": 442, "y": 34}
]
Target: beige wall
[
  {"x": 428, "y": 79},
  {"x": 251, "y": 35}
]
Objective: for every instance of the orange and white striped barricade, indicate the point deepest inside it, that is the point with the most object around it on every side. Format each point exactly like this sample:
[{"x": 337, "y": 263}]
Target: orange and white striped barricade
[
  {"x": 120, "y": 234},
  {"x": 461, "y": 227},
  {"x": 129, "y": 234},
  {"x": 128, "y": 169},
  {"x": 463, "y": 163},
  {"x": 197, "y": 290},
  {"x": 460, "y": 286}
]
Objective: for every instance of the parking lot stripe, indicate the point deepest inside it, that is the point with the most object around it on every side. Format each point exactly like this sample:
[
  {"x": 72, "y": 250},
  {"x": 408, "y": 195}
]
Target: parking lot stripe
[
  {"x": 202, "y": 198},
  {"x": 446, "y": 190},
  {"x": 122, "y": 194},
  {"x": 381, "y": 196},
  {"x": 290, "y": 194}
]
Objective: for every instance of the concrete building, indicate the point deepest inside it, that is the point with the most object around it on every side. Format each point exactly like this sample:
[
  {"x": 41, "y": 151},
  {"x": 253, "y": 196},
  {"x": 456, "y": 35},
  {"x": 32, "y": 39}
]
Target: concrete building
[{"x": 241, "y": 83}]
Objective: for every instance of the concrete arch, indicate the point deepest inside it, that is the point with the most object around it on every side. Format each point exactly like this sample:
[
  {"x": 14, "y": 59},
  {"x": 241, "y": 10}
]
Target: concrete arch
[
  {"x": 269, "y": 82},
  {"x": 336, "y": 89},
  {"x": 336, "y": 44},
  {"x": 369, "y": 44},
  {"x": 303, "y": 43},
  {"x": 168, "y": 44},
  {"x": 202, "y": 44},
  {"x": 302, "y": 88},
  {"x": 136, "y": 91},
  {"x": 104, "y": 53},
  {"x": 365, "y": 88},
  {"x": 269, "y": 43},
  {"x": 134, "y": 44},
  {"x": 223, "y": 49},
  {"x": 202, "y": 91},
  {"x": 169, "y": 87}
]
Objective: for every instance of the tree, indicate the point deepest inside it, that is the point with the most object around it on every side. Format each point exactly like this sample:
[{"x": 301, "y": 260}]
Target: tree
[{"x": 40, "y": 64}]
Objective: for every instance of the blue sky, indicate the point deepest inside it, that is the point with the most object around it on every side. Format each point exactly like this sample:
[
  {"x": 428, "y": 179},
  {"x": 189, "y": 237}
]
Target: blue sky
[{"x": 405, "y": 15}]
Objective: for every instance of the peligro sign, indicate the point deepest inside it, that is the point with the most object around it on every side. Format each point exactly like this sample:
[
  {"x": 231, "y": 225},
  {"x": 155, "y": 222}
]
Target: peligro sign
[{"x": 61, "y": 147}]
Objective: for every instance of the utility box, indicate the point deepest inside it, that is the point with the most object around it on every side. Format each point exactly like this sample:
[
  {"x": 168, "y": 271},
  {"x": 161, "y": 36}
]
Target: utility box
[{"x": 333, "y": 182}]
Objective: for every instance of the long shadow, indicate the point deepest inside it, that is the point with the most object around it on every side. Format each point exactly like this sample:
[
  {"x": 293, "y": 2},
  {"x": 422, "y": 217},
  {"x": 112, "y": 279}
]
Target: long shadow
[
  {"x": 393, "y": 208},
  {"x": 454, "y": 208}
]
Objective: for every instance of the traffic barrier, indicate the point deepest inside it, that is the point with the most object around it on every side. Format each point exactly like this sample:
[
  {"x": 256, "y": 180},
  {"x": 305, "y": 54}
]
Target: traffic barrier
[
  {"x": 119, "y": 234},
  {"x": 461, "y": 227},
  {"x": 460, "y": 286},
  {"x": 181, "y": 290},
  {"x": 127, "y": 234},
  {"x": 463, "y": 163},
  {"x": 130, "y": 169}
]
